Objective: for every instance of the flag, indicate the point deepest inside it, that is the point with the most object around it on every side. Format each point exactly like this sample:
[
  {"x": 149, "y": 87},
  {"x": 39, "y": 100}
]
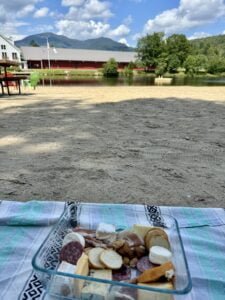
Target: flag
[
  {"x": 48, "y": 45},
  {"x": 54, "y": 50}
]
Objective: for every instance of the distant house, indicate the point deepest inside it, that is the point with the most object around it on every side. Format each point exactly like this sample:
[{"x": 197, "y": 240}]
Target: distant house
[
  {"x": 8, "y": 50},
  {"x": 40, "y": 57}
]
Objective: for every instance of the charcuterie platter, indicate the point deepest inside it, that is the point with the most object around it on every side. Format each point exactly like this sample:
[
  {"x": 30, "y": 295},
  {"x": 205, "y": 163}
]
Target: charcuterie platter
[{"x": 107, "y": 262}]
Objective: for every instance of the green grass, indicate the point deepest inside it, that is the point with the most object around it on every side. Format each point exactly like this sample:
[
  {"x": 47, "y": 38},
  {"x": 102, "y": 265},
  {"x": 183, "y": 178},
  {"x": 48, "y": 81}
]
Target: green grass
[
  {"x": 81, "y": 73},
  {"x": 45, "y": 73}
]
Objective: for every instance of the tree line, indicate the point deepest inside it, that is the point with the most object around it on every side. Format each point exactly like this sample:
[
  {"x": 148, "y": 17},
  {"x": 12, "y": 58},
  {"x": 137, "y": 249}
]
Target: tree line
[{"x": 159, "y": 54}]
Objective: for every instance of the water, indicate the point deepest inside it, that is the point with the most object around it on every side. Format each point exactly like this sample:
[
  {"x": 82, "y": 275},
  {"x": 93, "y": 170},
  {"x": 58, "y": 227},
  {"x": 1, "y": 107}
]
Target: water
[{"x": 133, "y": 81}]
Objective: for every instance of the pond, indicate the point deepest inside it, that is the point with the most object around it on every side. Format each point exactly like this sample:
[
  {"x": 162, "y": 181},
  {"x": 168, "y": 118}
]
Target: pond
[{"x": 132, "y": 81}]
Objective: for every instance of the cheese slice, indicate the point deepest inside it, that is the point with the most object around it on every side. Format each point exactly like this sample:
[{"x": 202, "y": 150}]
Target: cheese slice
[
  {"x": 63, "y": 285},
  {"x": 82, "y": 268},
  {"x": 106, "y": 232},
  {"x": 149, "y": 295},
  {"x": 97, "y": 290}
]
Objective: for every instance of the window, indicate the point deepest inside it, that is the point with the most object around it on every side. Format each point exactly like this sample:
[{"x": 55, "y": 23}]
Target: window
[
  {"x": 14, "y": 55},
  {"x": 3, "y": 47},
  {"x": 4, "y": 55}
]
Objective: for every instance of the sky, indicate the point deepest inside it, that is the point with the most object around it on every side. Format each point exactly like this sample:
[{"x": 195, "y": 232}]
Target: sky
[{"x": 122, "y": 20}]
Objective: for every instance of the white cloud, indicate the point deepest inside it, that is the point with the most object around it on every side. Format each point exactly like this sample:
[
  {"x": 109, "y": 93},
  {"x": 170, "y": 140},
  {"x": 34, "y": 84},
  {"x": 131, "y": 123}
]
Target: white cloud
[
  {"x": 41, "y": 12},
  {"x": 91, "y": 9},
  {"x": 121, "y": 30},
  {"x": 26, "y": 11},
  {"x": 189, "y": 14},
  {"x": 72, "y": 2},
  {"x": 41, "y": 28},
  {"x": 198, "y": 35},
  {"x": 90, "y": 29},
  {"x": 124, "y": 41},
  {"x": 10, "y": 29},
  {"x": 82, "y": 29},
  {"x": 88, "y": 19},
  {"x": 17, "y": 5},
  {"x": 15, "y": 10}
]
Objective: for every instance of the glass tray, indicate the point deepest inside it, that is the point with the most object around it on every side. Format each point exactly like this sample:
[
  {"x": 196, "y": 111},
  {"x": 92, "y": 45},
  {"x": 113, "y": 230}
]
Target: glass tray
[{"x": 46, "y": 259}]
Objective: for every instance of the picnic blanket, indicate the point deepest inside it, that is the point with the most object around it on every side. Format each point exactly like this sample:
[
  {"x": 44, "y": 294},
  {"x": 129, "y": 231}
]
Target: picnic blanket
[{"x": 23, "y": 227}]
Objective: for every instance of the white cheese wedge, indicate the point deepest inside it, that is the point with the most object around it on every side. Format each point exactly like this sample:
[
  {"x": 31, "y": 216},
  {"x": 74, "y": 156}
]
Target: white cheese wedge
[
  {"x": 63, "y": 285},
  {"x": 97, "y": 290},
  {"x": 74, "y": 237},
  {"x": 159, "y": 255}
]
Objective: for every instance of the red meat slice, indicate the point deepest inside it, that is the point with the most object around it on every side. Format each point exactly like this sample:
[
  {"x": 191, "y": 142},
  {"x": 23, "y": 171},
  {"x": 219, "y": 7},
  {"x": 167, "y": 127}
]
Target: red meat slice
[
  {"x": 71, "y": 252},
  {"x": 124, "y": 273},
  {"x": 144, "y": 264}
]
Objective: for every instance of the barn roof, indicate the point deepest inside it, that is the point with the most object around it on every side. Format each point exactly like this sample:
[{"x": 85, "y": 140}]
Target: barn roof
[{"x": 41, "y": 53}]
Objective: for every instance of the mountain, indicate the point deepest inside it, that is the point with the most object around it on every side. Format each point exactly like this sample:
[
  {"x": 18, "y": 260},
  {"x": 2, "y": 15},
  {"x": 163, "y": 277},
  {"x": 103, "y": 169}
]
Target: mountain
[
  {"x": 61, "y": 41},
  {"x": 212, "y": 45}
]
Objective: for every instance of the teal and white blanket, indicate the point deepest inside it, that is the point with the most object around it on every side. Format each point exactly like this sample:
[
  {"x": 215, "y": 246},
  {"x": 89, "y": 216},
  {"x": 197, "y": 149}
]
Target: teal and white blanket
[{"x": 23, "y": 227}]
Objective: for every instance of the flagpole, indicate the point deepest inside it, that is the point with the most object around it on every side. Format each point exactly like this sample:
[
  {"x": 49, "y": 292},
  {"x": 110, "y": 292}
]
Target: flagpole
[{"x": 49, "y": 66}]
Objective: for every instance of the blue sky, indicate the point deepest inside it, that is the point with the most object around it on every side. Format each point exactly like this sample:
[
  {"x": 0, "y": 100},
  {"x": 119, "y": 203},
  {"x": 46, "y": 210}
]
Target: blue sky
[{"x": 121, "y": 20}]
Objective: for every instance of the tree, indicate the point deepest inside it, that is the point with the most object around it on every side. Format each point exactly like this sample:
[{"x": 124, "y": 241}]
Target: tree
[
  {"x": 33, "y": 44},
  {"x": 173, "y": 63},
  {"x": 110, "y": 68},
  {"x": 196, "y": 63},
  {"x": 216, "y": 65},
  {"x": 178, "y": 45},
  {"x": 161, "y": 68},
  {"x": 149, "y": 49}
]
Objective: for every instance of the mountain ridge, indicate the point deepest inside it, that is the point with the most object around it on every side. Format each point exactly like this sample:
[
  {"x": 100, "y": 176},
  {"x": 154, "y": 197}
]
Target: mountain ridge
[{"x": 61, "y": 41}]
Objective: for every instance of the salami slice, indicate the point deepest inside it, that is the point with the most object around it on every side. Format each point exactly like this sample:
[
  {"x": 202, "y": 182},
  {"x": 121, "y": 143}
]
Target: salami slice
[
  {"x": 124, "y": 273},
  {"x": 71, "y": 252},
  {"x": 144, "y": 264}
]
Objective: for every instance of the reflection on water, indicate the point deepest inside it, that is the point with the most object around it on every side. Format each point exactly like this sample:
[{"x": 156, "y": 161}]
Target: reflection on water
[{"x": 133, "y": 81}]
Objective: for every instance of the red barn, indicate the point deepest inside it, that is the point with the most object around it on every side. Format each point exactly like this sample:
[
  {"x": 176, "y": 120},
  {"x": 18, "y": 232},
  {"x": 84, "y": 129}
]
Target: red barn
[{"x": 39, "y": 58}]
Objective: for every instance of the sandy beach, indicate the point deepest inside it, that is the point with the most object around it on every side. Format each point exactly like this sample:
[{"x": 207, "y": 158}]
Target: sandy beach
[{"x": 162, "y": 145}]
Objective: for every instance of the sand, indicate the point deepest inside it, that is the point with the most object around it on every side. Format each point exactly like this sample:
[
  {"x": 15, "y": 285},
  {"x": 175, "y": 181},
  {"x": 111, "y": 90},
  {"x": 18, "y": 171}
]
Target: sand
[{"x": 161, "y": 145}]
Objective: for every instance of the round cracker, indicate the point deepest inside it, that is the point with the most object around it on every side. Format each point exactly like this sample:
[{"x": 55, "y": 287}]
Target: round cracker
[
  {"x": 111, "y": 259},
  {"x": 156, "y": 232},
  {"x": 94, "y": 258}
]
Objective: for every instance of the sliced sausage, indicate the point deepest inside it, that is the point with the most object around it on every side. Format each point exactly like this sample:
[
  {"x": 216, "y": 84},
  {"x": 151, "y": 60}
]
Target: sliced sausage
[
  {"x": 124, "y": 273},
  {"x": 144, "y": 264},
  {"x": 71, "y": 252}
]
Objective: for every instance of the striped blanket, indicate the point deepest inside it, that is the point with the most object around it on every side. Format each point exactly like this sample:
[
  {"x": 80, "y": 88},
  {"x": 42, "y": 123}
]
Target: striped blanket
[{"x": 23, "y": 227}]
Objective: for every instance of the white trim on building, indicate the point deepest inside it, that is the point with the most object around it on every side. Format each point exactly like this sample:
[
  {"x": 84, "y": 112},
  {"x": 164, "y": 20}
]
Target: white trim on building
[{"x": 8, "y": 50}]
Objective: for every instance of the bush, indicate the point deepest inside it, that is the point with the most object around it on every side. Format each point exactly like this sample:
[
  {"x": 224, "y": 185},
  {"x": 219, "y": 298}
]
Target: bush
[
  {"x": 110, "y": 68},
  {"x": 216, "y": 65},
  {"x": 195, "y": 64},
  {"x": 128, "y": 72},
  {"x": 34, "y": 79}
]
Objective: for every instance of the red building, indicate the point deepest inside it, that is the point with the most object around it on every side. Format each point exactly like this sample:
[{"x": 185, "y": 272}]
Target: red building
[{"x": 42, "y": 57}]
